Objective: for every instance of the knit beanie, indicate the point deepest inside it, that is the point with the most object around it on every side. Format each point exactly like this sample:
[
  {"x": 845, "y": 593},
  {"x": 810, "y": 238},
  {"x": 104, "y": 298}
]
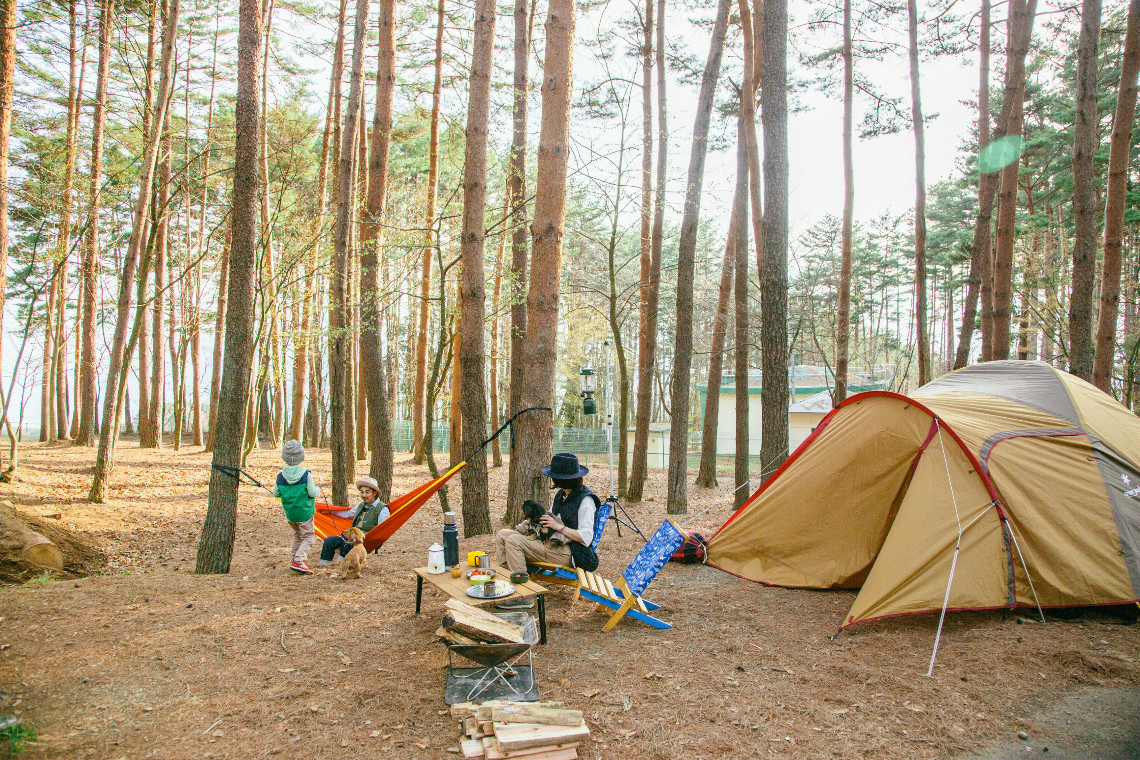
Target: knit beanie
[{"x": 293, "y": 453}]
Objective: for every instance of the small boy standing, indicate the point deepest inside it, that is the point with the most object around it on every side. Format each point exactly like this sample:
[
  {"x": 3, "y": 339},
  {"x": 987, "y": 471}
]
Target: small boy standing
[{"x": 297, "y": 492}]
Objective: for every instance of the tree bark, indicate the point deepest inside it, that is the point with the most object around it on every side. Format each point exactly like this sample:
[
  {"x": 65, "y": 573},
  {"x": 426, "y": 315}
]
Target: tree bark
[
  {"x": 1115, "y": 196},
  {"x": 420, "y": 390},
  {"x": 476, "y": 511},
  {"x": 843, "y": 310},
  {"x": 740, "y": 284},
  {"x": 921, "y": 320},
  {"x": 1084, "y": 195},
  {"x": 8, "y": 20},
  {"x": 118, "y": 365},
  {"x": 1004, "y": 240},
  {"x": 339, "y": 322},
  {"x": 981, "y": 247},
  {"x": 651, "y": 286},
  {"x": 676, "y": 500},
  {"x": 496, "y": 353},
  {"x": 1020, "y": 32},
  {"x": 372, "y": 362},
  {"x": 216, "y": 545},
  {"x": 774, "y": 275},
  {"x": 706, "y": 474},
  {"x": 646, "y": 250},
  {"x": 219, "y": 336},
  {"x": 87, "y": 368},
  {"x": 150, "y": 436},
  {"x": 534, "y": 429},
  {"x": 517, "y": 274}
]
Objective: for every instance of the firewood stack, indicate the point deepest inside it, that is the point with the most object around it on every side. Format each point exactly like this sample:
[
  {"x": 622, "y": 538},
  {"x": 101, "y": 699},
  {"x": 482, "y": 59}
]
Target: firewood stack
[
  {"x": 497, "y": 730},
  {"x": 466, "y": 625}
]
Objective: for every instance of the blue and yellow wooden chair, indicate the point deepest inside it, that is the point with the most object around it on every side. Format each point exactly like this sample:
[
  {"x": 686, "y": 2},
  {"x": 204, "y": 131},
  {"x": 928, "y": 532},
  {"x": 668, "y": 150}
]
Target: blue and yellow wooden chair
[{"x": 625, "y": 598}]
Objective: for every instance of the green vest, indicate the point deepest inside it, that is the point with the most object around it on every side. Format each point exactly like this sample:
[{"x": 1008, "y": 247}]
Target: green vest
[{"x": 299, "y": 506}]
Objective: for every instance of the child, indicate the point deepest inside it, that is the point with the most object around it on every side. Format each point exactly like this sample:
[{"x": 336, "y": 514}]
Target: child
[
  {"x": 366, "y": 515},
  {"x": 297, "y": 492}
]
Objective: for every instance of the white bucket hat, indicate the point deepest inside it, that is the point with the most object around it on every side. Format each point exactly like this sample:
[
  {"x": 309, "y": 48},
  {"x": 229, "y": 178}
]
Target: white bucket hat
[{"x": 368, "y": 482}]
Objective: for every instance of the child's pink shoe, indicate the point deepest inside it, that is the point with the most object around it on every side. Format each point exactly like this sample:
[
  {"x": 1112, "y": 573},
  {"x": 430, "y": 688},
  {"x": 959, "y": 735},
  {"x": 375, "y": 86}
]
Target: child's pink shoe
[{"x": 301, "y": 566}]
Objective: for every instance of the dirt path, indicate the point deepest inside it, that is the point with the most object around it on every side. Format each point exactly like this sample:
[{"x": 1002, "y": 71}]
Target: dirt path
[
  {"x": 1095, "y": 723},
  {"x": 148, "y": 660}
]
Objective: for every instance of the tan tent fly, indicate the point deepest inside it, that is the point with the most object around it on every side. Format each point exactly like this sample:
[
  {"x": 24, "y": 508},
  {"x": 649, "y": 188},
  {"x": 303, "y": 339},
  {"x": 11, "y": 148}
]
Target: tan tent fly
[{"x": 1006, "y": 484}]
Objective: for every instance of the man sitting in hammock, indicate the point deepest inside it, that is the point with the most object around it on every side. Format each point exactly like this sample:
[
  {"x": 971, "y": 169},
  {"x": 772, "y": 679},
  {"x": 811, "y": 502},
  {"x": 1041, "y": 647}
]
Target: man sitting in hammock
[{"x": 366, "y": 515}]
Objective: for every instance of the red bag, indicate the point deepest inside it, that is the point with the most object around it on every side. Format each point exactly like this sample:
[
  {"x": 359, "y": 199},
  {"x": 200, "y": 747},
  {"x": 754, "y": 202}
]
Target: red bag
[{"x": 692, "y": 550}]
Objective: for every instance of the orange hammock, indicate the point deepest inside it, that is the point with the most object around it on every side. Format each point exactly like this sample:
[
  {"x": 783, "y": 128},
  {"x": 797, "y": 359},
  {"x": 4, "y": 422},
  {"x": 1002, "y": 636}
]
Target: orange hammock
[{"x": 402, "y": 508}]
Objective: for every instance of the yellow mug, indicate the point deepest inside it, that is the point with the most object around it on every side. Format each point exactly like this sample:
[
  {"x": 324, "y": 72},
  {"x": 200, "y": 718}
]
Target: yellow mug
[{"x": 473, "y": 558}]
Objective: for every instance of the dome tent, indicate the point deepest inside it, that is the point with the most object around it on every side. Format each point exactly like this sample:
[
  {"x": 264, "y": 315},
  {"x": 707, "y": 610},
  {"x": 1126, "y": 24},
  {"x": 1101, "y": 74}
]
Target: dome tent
[{"x": 1004, "y": 484}]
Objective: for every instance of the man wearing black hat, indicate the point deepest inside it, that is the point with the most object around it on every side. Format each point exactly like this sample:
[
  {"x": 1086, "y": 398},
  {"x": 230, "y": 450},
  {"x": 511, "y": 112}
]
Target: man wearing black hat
[{"x": 571, "y": 518}]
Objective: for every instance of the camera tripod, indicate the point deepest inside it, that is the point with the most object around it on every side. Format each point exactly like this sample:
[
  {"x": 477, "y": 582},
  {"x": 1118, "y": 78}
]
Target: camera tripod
[{"x": 612, "y": 498}]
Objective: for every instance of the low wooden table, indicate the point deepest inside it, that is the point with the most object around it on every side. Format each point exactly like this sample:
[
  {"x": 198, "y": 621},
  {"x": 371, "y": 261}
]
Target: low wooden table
[{"x": 456, "y": 588}]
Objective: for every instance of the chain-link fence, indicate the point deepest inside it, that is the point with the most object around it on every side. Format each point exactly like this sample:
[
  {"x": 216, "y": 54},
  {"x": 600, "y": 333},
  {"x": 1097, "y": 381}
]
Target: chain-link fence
[{"x": 588, "y": 444}]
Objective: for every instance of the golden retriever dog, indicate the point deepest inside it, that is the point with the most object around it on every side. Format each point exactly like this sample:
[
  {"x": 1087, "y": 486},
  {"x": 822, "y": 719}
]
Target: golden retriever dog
[{"x": 355, "y": 559}]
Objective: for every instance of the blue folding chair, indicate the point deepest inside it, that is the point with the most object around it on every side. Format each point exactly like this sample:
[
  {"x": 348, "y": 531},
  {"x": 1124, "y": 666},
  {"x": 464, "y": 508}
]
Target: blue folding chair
[
  {"x": 625, "y": 598},
  {"x": 560, "y": 575}
]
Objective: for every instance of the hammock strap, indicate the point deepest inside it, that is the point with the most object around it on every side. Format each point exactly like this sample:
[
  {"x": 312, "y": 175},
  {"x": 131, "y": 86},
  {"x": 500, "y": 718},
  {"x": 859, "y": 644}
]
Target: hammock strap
[{"x": 508, "y": 424}]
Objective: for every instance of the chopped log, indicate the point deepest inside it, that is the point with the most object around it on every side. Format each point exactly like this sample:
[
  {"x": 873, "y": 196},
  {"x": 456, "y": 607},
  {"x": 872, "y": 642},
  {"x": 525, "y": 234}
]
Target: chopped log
[
  {"x": 28, "y": 547},
  {"x": 542, "y": 715},
  {"x": 515, "y": 736},
  {"x": 476, "y": 624},
  {"x": 472, "y": 749},
  {"x": 486, "y": 710},
  {"x": 556, "y": 752},
  {"x": 454, "y": 637}
]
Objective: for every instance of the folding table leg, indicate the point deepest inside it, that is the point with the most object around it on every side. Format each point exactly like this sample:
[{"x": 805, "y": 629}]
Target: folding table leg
[
  {"x": 541, "y": 618},
  {"x": 419, "y": 592}
]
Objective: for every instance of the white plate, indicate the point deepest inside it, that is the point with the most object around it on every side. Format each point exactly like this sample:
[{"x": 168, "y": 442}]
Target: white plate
[{"x": 501, "y": 589}]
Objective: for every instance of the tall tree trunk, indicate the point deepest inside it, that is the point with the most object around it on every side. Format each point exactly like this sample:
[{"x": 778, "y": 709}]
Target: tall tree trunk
[
  {"x": 750, "y": 83},
  {"x": 455, "y": 410},
  {"x": 216, "y": 545},
  {"x": 646, "y": 251},
  {"x": 476, "y": 510},
  {"x": 651, "y": 286},
  {"x": 47, "y": 407},
  {"x": 372, "y": 362},
  {"x": 203, "y": 243},
  {"x": 151, "y": 436},
  {"x": 118, "y": 363},
  {"x": 87, "y": 369},
  {"x": 1115, "y": 196},
  {"x": 359, "y": 405},
  {"x": 419, "y": 394},
  {"x": 496, "y": 353},
  {"x": 339, "y": 322},
  {"x": 676, "y": 501},
  {"x": 534, "y": 429},
  {"x": 740, "y": 284},
  {"x": 1021, "y": 15},
  {"x": 843, "y": 315},
  {"x": 706, "y": 475},
  {"x": 329, "y": 142},
  {"x": 774, "y": 274},
  {"x": 980, "y": 250},
  {"x": 921, "y": 320},
  {"x": 220, "y": 321},
  {"x": 1084, "y": 195},
  {"x": 1004, "y": 240},
  {"x": 8, "y": 21},
  {"x": 517, "y": 274}
]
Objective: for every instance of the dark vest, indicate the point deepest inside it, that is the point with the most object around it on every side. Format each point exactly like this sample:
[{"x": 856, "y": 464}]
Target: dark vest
[{"x": 566, "y": 509}]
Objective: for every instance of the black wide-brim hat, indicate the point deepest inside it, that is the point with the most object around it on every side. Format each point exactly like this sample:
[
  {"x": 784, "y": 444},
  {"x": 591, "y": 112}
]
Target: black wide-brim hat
[{"x": 564, "y": 467}]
